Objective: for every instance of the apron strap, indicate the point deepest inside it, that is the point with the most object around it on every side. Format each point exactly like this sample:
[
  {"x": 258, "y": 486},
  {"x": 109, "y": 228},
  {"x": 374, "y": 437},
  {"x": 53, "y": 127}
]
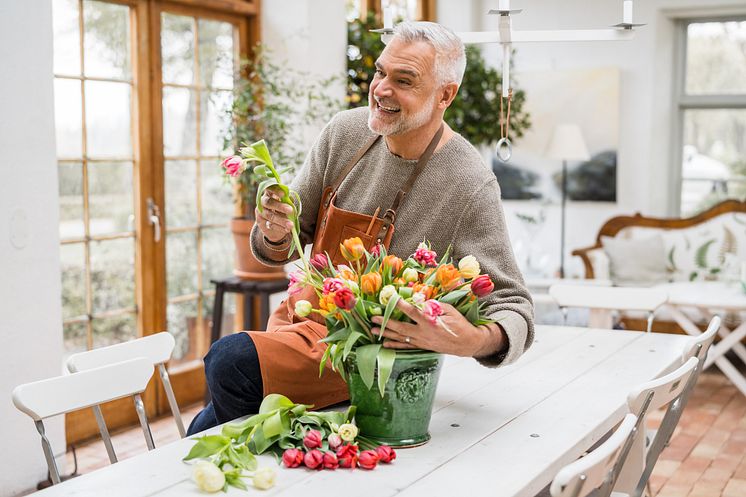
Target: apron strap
[
  {"x": 390, "y": 215},
  {"x": 355, "y": 159}
]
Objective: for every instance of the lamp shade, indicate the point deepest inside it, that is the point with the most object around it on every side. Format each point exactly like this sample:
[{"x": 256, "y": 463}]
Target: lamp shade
[{"x": 567, "y": 143}]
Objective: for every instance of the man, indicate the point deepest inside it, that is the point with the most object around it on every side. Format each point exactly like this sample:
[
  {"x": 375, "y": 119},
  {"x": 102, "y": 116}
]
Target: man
[{"x": 398, "y": 152}]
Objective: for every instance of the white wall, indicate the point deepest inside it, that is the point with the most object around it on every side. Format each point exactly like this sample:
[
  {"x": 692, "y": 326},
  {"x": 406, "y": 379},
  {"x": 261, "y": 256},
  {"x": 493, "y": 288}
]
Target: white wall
[
  {"x": 646, "y": 64},
  {"x": 30, "y": 312}
]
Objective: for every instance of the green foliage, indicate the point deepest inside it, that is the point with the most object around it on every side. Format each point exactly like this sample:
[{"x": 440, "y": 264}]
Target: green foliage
[
  {"x": 274, "y": 102},
  {"x": 474, "y": 113}
]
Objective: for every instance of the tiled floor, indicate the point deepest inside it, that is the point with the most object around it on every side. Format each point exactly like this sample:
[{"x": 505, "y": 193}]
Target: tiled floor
[{"x": 706, "y": 457}]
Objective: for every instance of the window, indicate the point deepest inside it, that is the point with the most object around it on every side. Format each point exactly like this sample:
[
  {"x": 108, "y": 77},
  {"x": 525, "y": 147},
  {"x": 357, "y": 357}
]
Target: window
[{"x": 711, "y": 100}]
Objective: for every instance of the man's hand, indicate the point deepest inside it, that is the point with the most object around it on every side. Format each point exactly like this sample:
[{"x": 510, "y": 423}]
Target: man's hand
[
  {"x": 469, "y": 341},
  {"x": 274, "y": 222}
]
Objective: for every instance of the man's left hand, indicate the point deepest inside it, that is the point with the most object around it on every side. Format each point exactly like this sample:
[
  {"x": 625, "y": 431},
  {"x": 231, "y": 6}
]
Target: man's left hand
[{"x": 466, "y": 340}]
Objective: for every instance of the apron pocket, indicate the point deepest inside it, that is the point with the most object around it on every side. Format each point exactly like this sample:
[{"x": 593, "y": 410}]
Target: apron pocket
[{"x": 350, "y": 232}]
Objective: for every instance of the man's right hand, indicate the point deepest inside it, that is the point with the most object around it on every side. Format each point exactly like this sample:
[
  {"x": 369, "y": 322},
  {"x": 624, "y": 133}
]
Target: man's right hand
[{"x": 273, "y": 222}]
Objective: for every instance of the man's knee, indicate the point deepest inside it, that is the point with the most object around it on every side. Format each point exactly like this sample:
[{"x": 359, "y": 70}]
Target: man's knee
[{"x": 229, "y": 356}]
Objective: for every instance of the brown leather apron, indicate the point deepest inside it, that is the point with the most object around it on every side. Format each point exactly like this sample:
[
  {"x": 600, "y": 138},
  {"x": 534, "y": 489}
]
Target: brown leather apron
[{"x": 289, "y": 352}]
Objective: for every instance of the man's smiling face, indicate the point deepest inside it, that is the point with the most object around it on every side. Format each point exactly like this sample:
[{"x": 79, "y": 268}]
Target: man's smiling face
[{"x": 403, "y": 94}]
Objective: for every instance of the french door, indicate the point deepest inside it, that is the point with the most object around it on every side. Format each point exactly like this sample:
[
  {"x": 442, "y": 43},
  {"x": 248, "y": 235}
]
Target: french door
[{"x": 142, "y": 92}]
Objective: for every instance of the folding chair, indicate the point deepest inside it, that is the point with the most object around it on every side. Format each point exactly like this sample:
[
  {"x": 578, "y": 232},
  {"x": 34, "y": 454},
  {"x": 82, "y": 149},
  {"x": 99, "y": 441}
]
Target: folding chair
[
  {"x": 670, "y": 390},
  {"x": 62, "y": 394},
  {"x": 611, "y": 298},
  {"x": 597, "y": 471},
  {"x": 155, "y": 348}
]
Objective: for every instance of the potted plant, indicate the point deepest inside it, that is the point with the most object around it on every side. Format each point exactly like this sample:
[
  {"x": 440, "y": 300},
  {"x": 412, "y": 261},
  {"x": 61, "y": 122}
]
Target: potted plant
[{"x": 274, "y": 102}]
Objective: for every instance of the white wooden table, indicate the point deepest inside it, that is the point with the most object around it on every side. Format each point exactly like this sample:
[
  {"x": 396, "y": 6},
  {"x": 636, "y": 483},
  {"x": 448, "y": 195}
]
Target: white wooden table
[
  {"x": 704, "y": 300},
  {"x": 500, "y": 432}
]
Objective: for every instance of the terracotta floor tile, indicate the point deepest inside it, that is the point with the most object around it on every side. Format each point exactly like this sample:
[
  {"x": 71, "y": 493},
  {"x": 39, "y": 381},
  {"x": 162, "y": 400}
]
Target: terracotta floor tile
[{"x": 735, "y": 488}]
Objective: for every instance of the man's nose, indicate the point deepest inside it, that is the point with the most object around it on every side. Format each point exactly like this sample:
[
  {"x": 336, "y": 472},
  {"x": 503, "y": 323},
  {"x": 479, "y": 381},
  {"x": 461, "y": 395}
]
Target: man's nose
[{"x": 383, "y": 88}]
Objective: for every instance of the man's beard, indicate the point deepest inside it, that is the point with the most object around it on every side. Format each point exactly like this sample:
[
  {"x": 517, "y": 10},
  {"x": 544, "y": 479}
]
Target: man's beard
[{"x": 402, "y": 123}]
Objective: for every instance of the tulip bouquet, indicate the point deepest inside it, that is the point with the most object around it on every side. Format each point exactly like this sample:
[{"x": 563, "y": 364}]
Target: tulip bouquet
[{"x": 370, "y": 284}]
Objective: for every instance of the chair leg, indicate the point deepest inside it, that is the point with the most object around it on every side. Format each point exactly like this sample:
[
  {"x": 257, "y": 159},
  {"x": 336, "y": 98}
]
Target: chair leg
[
  {"x": 564, "y": 315},
  {"x": 650, "y": 322},
  {"x": 140, "y": 408},
  {"x": 171, "y": 399},
  {"x": 104, "y": 433},
  {"x": 54, "y": 473}
]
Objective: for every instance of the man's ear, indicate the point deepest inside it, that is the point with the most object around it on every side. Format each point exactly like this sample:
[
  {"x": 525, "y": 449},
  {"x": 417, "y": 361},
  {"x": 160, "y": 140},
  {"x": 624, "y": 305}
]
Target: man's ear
[{"x": 448, "y": 93}]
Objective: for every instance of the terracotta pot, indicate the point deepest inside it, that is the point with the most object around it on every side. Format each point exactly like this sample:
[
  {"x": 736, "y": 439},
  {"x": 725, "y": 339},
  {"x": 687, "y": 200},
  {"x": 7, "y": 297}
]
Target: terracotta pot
[{"x": 247, "y": 266}]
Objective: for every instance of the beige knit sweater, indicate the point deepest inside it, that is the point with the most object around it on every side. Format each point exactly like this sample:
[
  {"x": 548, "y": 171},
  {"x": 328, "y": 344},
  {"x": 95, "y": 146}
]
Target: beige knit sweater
[{"x": 455, "y": 201}]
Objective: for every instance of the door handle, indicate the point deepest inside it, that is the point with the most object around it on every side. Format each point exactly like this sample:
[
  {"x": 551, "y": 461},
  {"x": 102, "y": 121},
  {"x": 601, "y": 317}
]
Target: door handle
[{"x": 154, "y": 218}]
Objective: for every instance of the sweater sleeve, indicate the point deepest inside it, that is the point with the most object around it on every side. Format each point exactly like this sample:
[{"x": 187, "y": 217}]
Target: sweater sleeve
[
  {"x": 481, "y": 231},
  {"x": 309, "y": 184}
]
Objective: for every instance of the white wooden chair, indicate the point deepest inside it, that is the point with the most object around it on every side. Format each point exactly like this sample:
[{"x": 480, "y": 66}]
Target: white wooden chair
[
  {"x": 603, "y": 298},
  {"x": 671, "y": 390},
  {"x": 155, "y": 348},
  {"x": 62, "y": 394},
  {"x": 597, "y": 471}
]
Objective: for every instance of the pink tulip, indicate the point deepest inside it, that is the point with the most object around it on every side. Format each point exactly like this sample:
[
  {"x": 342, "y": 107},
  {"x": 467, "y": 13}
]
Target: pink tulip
[
  {"x": 482, "y": 285},
  {"x": 425, "y": 256},
  {"x": 330, "y": 460},
  {"x": 334, "y": 441},
  {"x": 292, "y": 458},
  {"x": 233, "y": 166},
  {"x": 432, "y": 309},
  {"x": 368, "y": 459},
  {"x": 312, "y": 440},
  {"x": 385, "y": 453},
  {"x": 314, "y": 459},
  {"x": 332, "y": 285},
  {"x": 320, "y": 262}
]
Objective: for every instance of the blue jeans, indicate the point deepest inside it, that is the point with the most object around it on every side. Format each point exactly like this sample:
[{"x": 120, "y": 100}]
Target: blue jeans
[{"x": 234, "y": 379}]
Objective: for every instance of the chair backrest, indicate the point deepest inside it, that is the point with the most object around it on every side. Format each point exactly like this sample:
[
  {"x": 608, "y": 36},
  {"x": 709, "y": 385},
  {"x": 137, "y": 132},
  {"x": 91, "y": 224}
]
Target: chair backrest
[
  {"x": 45, "y": 398},
  {"x": 608, "y": 297},
  {"x": 156, "y": 348},
  {"x": 664, "y": 389},
  {"x": 596, "y": 469},
  {"x": 62, "y": 394},
  {"x": 699, "y": 345}
]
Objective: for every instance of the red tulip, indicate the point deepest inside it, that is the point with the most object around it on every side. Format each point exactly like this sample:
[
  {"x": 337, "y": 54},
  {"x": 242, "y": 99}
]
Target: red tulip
[
  {"x": 314, "y": 459},
  {"x": 292, "y": 458},
  {"x": 330, "y": 460},
  {"x": 312, "y": 440},
  {"x": 368, "y": 459},
  {"x": 344, "y": 298},
  {"x": 385, "y": 453},
  {"x": 482, "y": 285},
  {"x": 347, "y": 456}
]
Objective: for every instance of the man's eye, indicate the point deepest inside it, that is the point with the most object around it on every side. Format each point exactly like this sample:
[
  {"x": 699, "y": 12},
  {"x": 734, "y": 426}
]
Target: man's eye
[
  {"x": 379, "y": 72},
  {"x": 404, "y": 82}
]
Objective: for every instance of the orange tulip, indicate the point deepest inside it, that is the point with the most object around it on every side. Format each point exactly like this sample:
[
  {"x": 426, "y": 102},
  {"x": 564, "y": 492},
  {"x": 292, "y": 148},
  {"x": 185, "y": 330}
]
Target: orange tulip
[
  {"x": 326, "y": 304},
  {"x": 394, "y": 263},
  {"x": 448, "y": 276},
  {"x": 427, "y": 291},
  {"x": 352, "y": 249},
  {"x": 370, "y": 283}
]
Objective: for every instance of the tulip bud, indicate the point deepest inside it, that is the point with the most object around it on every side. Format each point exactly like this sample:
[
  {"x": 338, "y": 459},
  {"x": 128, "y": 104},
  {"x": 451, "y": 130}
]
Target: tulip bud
[
  {"x": 208, "y": 476},
  {"x": 410, "y": 275},
  {"x": 418, "y": 298},
  {"x": 303, "y": 308},
  {"x": 314, "y": 459},
  {"x": 469, "y": 267},
  {"x": 345, "y": 299},
  {"x": 347, "y": 456},
  {"x": 375, "y": 311},
  {"x": 368, "y": 459},
  {"x": 334, "y": 441},
  {"x": 385, "y": 453},
  {"x": 320, "y": 262},
  {"x": 330, "y": 460},
  {"x": 264, "y": 478},
  {"x": 312, "y": 440},
  {"x": 482, "y": 286},
  {"x": 370, "y": 283},
  {"x": 386, "y": 293},
  {"x": 233, "y": 166},
  {"x": 292, "y": 458},
  {"x": 348, "y": 432},
  {"x": 432, "y": 310}
]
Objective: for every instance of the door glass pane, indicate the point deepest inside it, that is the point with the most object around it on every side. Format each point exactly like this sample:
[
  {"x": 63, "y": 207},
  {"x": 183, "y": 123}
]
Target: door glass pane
[
  {"x": 714, "y": 158},
  {"x": 110, "y": 197},
  {"x": 181, "y": 262},
  {"x": 116, "y": 329},
  {"x": 217, "y": 194},
  {"x": 66, "y": 37},
  {"x": 72, "y": 264},
  {"x": 214, "y": 121},
  {"x": 113, "y": 274},
  {"x": 181, "y": 193},
  {"x": 177, "y": 49},
  {"x": 215, "y": 53},
  {"x": 108, "y": 119},
  {"x": 179, "y": 122},
  {"x": 217, "y": 254},
  {"x": 229, "y": 313},
  {"x": 716, "y": 58},
  {"x": 182, "y": 324},
  {"x": 68, "y": 118},
  {"x": 106, "y": 34},
  {"x": 70, "y": 182},
  {"x": 75, "y": 337}
]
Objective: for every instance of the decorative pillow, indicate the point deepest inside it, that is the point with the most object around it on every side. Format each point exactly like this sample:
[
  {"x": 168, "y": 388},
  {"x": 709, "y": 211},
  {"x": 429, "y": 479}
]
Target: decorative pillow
[{"x": 636, "y": 261}]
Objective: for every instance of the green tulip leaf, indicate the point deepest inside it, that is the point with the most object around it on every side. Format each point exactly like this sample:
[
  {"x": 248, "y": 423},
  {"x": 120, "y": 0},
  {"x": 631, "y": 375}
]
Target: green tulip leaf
[
  {"x": 390, "y": 306},
  {"x": 207, "y": 446},
  {"x": 386, "y": 359},
  {"x": 275, "y": 401},
  {"x": 453, "y": 297},
  {"x": 366, "y": 362},
  {"x": 351, "y": 340}
]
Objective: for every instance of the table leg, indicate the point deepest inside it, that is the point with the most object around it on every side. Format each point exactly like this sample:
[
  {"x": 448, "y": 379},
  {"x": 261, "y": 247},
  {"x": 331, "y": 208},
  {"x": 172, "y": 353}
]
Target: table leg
[
  {"x": 264, "y": 311},
  {"x": 248, "y": 311},
  {"x": 217, "y": 315},
  {"x": 732, "y": 340}
]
